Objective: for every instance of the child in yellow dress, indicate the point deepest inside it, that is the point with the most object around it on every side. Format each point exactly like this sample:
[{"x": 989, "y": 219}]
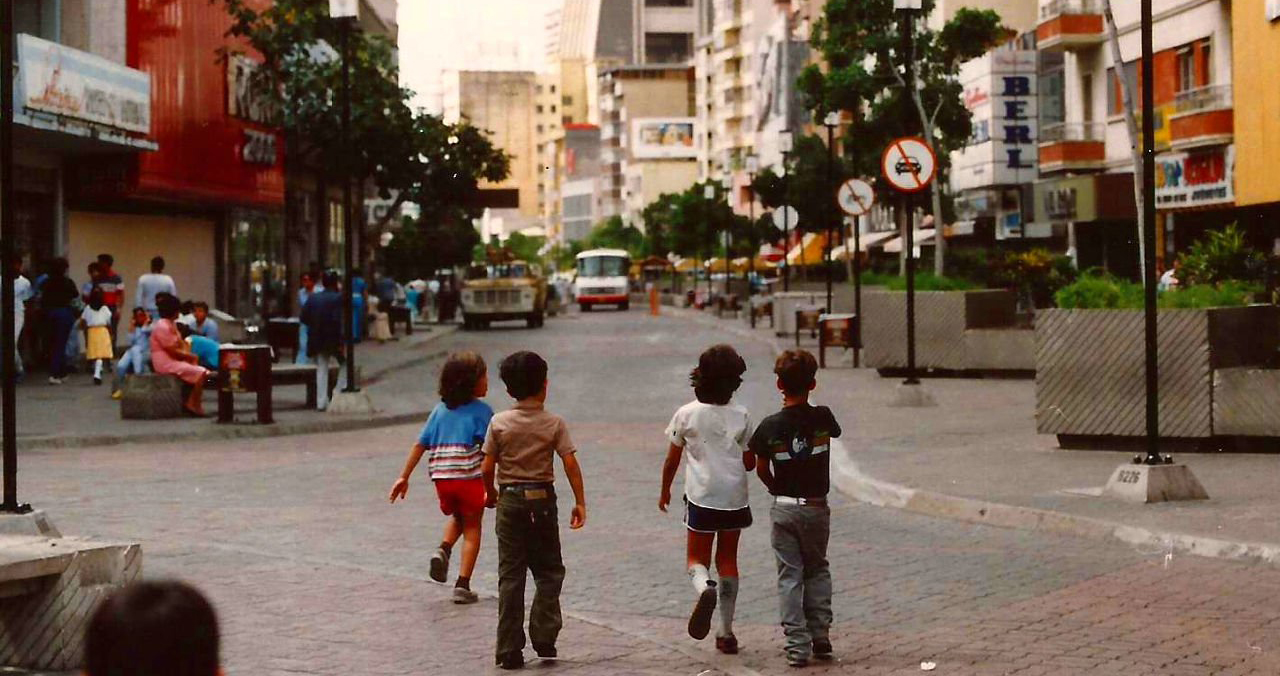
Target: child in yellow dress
[{"x": 96, "y": 320}]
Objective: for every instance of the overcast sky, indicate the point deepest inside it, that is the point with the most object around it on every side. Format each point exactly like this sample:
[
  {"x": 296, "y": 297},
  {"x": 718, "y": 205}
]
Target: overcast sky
[{"x": 477, "y": 34}]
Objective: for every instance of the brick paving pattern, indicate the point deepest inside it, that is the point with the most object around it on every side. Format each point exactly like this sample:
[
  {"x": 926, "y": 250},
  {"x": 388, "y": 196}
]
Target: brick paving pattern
[{"x": 313, "y": 573}]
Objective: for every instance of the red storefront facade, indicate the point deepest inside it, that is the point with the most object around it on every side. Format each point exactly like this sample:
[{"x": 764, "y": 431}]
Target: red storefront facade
[{"x": 210, "y": 198}]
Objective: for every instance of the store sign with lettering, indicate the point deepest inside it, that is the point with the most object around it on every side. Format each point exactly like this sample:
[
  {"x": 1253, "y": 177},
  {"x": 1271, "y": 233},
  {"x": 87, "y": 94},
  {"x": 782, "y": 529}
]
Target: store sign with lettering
[
  {"x": 1000, "y": 91},
  {"x": 1196, "y": 178},
  {"x": 69, "y": 83}
]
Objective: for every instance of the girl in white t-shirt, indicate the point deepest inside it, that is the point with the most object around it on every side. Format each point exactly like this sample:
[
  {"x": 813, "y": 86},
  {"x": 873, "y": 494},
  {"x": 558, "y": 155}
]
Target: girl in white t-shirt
[
  {"x": 713, "y": 433},
  {"x": 96, "y": 320}
]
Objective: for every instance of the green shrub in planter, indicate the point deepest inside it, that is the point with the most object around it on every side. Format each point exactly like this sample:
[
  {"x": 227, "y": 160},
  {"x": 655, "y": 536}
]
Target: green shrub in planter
[
  {"x": 1106, "y": 292},
  {"x": 927, "y": 281}
]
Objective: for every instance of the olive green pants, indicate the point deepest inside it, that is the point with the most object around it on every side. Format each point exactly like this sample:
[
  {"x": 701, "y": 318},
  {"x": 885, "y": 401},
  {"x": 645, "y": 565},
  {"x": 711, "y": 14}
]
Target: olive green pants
[{"x": 528, "y": 542}]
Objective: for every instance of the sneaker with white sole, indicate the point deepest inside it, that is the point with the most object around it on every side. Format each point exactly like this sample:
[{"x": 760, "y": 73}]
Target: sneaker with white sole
[
  {"x": 700, "y": 619},
  {"x": 463, "y": 596},
  {"x": 438, "y": 570}
]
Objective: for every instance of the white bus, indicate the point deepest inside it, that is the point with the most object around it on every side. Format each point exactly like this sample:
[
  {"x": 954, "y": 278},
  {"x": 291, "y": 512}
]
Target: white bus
[{"x": 602, "y": 279}]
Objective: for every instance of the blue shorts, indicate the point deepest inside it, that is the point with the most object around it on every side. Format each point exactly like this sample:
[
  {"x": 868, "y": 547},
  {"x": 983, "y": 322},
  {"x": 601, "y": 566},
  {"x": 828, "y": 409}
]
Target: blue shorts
[{"x": 701, "y": 519}]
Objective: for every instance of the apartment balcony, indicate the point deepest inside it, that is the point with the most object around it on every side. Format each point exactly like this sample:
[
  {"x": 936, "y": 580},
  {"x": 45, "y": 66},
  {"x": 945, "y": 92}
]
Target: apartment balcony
[
  {"x": 1070, "y": 25},
  {"x": 1072, "y": 146},
  {"x": 1202, "y": 117}
]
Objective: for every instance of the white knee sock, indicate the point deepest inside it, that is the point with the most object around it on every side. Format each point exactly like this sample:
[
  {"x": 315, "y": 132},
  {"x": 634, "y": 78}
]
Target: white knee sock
[
  {"x": 97, "y": 368},
  {"x": 699, "y": 576},
  {"x": 728, "y": 591}
]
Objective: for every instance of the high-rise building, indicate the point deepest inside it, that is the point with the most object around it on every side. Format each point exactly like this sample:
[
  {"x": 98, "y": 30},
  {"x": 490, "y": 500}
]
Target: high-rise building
[
  {"x": 505, "y": 104},
  {"x": 1255, "y": 31}
]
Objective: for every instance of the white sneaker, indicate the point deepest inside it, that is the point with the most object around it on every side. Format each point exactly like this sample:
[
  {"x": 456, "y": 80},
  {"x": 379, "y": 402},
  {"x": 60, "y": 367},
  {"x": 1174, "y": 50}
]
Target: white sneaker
[{"x": 55, "y": 381}]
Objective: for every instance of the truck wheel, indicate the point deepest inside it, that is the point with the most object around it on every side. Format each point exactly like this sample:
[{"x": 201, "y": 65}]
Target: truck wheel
[
  {"x": 585, "y": 307},
  {"x": 468, "y": 324},
  {"x": 624, "y": 305},
  {"x": 534, "y": 320}
]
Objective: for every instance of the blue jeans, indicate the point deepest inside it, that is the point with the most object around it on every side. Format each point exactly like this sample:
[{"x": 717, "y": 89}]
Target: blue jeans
[
  {"x": 301, "y": 357},
  {"x": 134, "y": 360},
  {"x": 61, "y": 321}
]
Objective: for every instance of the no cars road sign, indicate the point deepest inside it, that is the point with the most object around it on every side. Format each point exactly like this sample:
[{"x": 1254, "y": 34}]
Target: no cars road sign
[
  {"x": 855, "y": 197},
  {"x": 908, "y": 164}
]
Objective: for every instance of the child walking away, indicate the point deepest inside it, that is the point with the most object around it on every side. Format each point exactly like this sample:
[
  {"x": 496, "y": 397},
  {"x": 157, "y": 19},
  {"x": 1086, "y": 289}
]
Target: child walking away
[
  {"x": 96, "y": 320},
  {"x": 519, "y": 450},
  {"x": 794, "y": 449},
  {"x": 713, "y": 433},
  {"x": 452, "y": 440}
]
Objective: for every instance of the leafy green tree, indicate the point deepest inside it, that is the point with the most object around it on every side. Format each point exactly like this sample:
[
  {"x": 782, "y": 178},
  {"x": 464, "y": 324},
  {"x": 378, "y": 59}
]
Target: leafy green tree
[
  {"x": 418, "y": 252},
  {"x": 614, "y": 234},
  {"x": 896, "y": 86},
  {"x": 406, "y": 155}
]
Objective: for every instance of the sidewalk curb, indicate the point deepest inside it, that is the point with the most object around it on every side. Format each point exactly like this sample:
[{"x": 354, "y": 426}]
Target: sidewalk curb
[
  {"x": 852, "y": 482},
  {"x": 325, "y": 424}
]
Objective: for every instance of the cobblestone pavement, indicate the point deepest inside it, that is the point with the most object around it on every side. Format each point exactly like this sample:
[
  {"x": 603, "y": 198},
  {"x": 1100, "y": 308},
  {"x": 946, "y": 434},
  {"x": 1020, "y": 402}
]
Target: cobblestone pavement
[{"x": 314, "y": 573}]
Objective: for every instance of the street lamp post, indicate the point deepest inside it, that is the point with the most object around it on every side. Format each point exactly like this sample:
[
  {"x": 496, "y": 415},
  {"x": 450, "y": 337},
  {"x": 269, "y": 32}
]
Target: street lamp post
[
  {"x": 709, "y": 194},
  {"x": 753, "y": 165},
  {"x": 1149, "y": 239},
  {"x": 728, "y": 234},
  {"x": 784, "y": 144},
  {"x": 831, "y": 121},
  {"x": 345, "y": 13},
  {"x": 7, "y": 306}
]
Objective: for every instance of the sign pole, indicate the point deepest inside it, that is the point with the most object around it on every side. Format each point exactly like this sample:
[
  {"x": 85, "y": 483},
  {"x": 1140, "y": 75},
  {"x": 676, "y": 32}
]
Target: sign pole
[
  {"x": 786, "y": 229},
  {"x": 857, "y": 287},
  {"x": 911, "y": 295},
  {"x": 7, "y": 306}
]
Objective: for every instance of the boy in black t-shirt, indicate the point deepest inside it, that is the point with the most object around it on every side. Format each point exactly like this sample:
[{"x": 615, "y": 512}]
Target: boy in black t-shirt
[{"x": 793, "y": 447}]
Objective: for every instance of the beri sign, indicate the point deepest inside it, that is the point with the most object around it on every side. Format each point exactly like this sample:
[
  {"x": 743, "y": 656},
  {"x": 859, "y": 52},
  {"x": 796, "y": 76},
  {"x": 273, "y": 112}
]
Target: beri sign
[{"x": 1000, "y": 91}]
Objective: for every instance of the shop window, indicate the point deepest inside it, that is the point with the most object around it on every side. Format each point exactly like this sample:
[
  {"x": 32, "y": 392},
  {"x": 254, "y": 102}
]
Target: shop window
[{"x": 1205, "y": 57}]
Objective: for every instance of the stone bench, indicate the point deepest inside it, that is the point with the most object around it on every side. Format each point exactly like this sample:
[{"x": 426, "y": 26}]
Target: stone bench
[
  {"x": 151, "y": 396},
  {"x": 302, "y": 374},
  {"x": 49, "y": 586}
]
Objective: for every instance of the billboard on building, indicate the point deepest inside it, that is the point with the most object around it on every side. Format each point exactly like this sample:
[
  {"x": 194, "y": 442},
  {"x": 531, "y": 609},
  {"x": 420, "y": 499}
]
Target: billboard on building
[
  {"x": 1000, "y": 91},
  {"x": 663, "y": 138},
  {"x": 1197, "y": 178},
  {"x": 74, "y": 84}
]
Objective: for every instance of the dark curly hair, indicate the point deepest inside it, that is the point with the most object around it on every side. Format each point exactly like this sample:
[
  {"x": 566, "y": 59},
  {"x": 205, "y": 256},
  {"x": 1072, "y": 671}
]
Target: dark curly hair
[
  {"x": 796, "y": 371},
  {"x": 459, "y": 376},
  {"x": 718, "y": 375}
]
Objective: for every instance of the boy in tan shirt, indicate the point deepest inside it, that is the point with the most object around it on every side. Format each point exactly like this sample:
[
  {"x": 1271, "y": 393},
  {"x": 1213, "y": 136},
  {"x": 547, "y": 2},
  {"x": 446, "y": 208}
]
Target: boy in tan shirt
[{"x": 519, "y": 448}]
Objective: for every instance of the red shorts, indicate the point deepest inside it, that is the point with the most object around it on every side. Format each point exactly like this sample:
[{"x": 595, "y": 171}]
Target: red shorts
[{"x": 460, "y": 496}]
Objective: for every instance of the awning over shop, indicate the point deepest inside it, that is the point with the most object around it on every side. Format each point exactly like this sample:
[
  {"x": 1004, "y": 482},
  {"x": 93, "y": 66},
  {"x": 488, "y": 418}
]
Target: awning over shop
[
  {"x": 921, "y": 237},
  {"x": 869, "y": 239},
  {"x": 686, "y": 265},
  {"x": 808, "y": 252}
]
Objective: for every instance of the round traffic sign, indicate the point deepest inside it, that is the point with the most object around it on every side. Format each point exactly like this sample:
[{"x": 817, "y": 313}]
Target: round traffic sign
[
  {"x": 908, "y": 164},
  {"x": 855, "y": 197},
  {"x": 785, "y": 216}
]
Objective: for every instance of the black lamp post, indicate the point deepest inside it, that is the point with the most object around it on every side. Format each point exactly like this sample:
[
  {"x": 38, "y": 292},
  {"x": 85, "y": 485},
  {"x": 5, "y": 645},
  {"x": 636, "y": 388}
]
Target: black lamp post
[
  {"x": 753, "y": 165},
  {"x": 7, "y": 307},
  {"x": 1149, "y": 239},
  {"x": 831, "y": 121},
  {"x": 784, "y": 144},
  {"x": 728, "y": 235},
  {"x": 345, "y": 13}
]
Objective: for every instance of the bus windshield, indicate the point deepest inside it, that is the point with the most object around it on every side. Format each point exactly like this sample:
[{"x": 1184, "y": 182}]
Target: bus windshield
[{"x": 603, "y": 266}]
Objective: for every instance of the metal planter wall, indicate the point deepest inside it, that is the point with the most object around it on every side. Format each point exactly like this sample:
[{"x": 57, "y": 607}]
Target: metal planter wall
[
  {"x": 1090, "y": 368},
  {"x": 955, "y": 331}
]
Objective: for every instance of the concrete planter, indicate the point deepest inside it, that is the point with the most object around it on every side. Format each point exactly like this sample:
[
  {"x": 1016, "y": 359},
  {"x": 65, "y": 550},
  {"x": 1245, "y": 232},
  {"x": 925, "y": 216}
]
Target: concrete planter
[
  {"x": 1090, "y": 372},
  {"x": 956, "y": 331}
]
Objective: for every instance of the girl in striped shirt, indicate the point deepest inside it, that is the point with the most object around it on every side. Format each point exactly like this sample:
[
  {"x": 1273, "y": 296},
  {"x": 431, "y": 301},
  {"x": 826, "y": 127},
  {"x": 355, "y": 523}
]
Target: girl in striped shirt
[{"x": 451, "y": 440}]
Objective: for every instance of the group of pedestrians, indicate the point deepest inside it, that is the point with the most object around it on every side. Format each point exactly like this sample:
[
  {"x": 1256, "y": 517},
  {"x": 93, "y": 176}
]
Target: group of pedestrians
[{"x": 477, "y": 459}]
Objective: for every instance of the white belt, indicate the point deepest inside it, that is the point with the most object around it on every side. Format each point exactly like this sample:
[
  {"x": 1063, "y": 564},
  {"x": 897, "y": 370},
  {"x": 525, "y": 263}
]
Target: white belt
[{"x": 788, "y": 500}]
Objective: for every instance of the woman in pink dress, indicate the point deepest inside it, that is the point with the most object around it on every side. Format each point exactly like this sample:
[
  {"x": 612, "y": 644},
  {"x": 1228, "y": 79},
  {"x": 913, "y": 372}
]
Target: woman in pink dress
[{"x": 169, "y": 353}]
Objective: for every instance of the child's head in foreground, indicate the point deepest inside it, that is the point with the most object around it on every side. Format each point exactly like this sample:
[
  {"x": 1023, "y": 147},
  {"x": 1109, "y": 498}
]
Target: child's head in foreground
[
  {"x": 524, "y": 373},
  {"x": 718, "y": 375},
  {"x": 153, "y": 629},
  {"x": 463, "y": 378},
  {"x": 797, "y": 372}
]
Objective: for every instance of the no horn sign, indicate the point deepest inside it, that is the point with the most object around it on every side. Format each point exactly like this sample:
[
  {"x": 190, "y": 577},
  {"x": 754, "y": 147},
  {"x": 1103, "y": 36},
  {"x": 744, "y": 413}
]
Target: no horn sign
[{"x": 908, "y": 164}]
